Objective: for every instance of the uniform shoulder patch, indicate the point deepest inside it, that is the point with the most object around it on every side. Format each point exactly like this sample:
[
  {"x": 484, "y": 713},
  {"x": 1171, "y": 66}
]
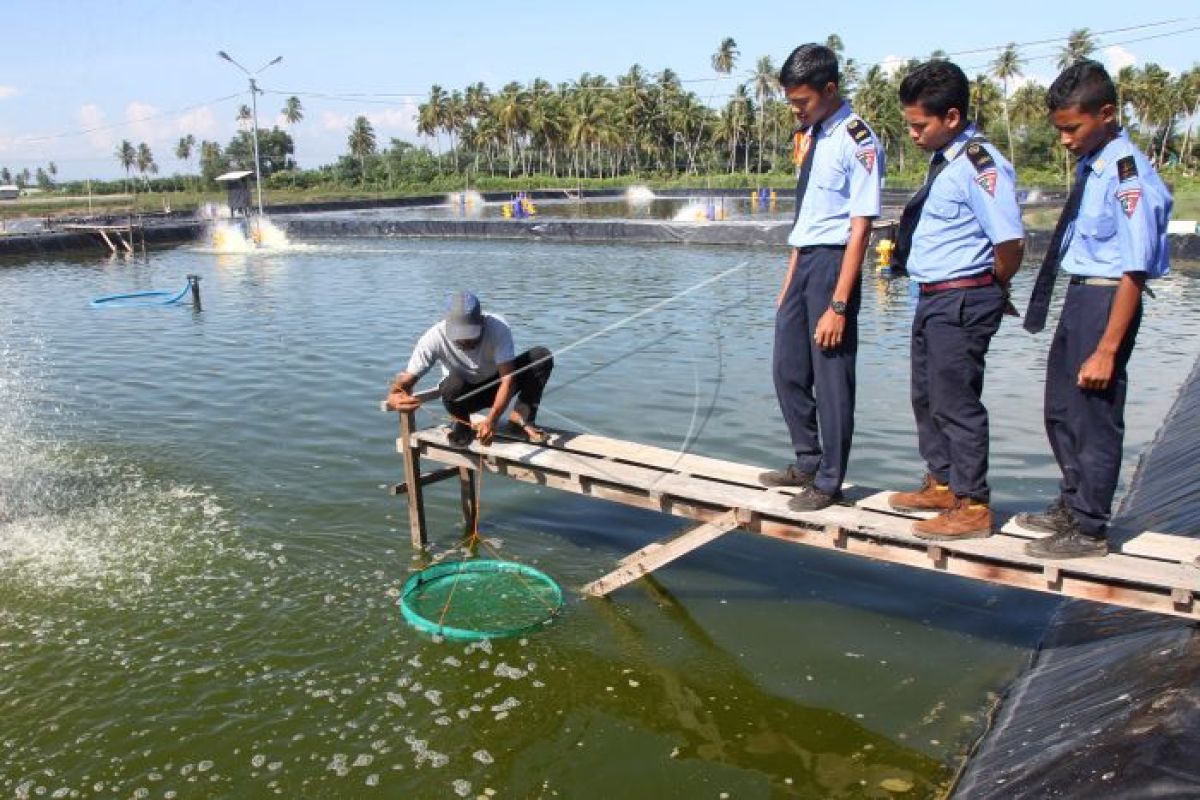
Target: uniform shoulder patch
[
  {"x": 985, "y": 167},
  {"x": 858, "y": 131},
  {"x": 1126, "y": 169}
]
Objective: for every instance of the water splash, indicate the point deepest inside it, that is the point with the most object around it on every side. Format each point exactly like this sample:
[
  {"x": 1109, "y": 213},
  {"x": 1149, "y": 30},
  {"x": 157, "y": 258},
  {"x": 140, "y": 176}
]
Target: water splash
[
  {"x": 247, "y": 236},
  {"x": 638, "y": 195},
  {"x": 468, "y": 203}
]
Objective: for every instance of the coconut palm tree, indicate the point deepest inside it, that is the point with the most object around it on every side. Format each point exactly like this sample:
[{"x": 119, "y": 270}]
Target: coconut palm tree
[
  {"x": 984, "y": 99},
  {"x": 1080, "y": 45},
  {"x": 1126, "y": 83},
  {"x": 766, "y": 84},
  {"x": 145, "y": 162},
  {"x": 126, "y": 157},
  {"x": 244, "y": 117},
  {"x": 361, "y": 143},
  {"x": 1006, "y": 66},
  {"x": 292, "y": 110},
  {"x": 725, "y": 59}
]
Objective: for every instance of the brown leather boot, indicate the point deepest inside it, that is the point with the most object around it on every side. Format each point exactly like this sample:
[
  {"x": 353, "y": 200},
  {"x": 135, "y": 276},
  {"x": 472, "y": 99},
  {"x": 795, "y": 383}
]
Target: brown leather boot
[
  {"x": 932, "y": 496},
  {"x": 969, "y": 519}
]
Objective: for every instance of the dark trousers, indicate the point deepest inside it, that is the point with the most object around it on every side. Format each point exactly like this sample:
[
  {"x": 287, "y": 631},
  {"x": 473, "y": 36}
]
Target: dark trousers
[
  {"x": 951, "y": 333},
  {"x": 815, "y": 387},
  {"x": 1086, "y": 428},
  {"x": 531, "y": 373}
]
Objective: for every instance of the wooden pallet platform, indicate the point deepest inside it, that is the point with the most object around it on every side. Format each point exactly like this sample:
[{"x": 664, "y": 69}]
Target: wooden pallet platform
[{"x": 1149, "y": 571}]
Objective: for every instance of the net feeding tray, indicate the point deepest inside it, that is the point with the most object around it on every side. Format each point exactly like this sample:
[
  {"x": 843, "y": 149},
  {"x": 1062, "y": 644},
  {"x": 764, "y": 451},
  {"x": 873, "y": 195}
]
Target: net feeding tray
[{"x": 479, "y": 599}]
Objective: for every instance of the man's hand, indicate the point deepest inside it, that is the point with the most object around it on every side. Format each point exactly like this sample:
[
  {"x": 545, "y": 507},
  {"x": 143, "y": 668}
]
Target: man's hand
[
  {"x": 829, "y": 331},
  {"x": 400, "y": 400},
  {"x": 1096, "y": 373},
  {"x": 484, "y": 431}
]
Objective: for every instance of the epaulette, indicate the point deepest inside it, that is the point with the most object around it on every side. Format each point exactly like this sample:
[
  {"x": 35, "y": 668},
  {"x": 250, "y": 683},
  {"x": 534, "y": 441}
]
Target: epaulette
[
  {"x": 1126, "y": 169},
  {"x": 858, "y": 131},
  {"x": 979, "y": 156}
]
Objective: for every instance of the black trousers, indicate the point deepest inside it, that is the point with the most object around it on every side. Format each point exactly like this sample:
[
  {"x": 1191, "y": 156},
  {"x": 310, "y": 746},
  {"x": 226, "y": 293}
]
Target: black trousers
[
  {"x": 816, "y": 387},
  {"x": 1087, "y": 428},
  {"x": 951, "y": 333},
  {"x": 531, "y": 373}
]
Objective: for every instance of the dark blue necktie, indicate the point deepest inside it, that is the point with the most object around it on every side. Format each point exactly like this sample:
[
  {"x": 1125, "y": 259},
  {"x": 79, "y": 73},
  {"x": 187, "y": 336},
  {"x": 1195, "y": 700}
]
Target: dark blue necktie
[
  {"x": 1043, "y": 287},
  {"x": 912, "y": 212},
  {"x": 806, "y": 168}
]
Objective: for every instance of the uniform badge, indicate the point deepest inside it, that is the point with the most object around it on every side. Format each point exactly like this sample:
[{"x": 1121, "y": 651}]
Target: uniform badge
[
  {"x": 987, "y": 181},
  {"x": 1126, "y": 169},
  {"x": 866, "y": 157},
  {"x": 1128, "y": 198},
  {"x": 858, "y": 131}
]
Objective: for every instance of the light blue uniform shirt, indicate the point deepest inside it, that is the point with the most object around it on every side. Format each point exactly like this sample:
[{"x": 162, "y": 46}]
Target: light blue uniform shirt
[
  {"x": 1122, "y": 221},
  {"x": 845, "y": 182},
  {"x": 970, "y": 209}
]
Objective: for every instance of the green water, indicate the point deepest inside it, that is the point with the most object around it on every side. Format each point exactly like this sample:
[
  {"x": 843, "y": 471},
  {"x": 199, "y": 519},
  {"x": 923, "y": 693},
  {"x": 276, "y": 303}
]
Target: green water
[{"x": 199, "y": 563}]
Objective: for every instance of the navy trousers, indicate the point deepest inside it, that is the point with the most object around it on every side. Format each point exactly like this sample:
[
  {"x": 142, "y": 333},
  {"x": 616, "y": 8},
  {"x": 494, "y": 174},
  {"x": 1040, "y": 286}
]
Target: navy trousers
[
  {"x": 815, "y": 387},
  {"x": 951, "y": 333},
  {"x": 1087, "y": 428}
]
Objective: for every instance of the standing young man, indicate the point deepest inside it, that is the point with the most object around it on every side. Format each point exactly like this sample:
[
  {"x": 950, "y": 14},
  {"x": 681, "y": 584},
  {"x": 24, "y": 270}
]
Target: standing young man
[
  {"x": 816, "y": 321},
  {"x": 961, "y": 240},
  {"x": 1110, "y": 238}
]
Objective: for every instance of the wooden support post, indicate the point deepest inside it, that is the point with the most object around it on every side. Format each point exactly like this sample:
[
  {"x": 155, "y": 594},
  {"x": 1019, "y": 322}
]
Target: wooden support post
[
  {"x": 412, "y": 478},
  {"x": 658, "y": 554},
  {"x": 466, "y": 491},
  {"x": 428, "y": 478}
]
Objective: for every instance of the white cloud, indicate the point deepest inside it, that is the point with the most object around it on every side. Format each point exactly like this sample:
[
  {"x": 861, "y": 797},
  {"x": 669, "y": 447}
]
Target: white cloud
[
  {"x": 7, "y": 92},
  {"x": 398, "y": 121},
  {"x": 1116, "y": 57},
  {"x": 90, "y": 117}
]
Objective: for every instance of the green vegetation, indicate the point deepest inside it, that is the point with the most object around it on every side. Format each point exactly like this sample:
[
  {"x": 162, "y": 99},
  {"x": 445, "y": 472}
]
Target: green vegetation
[{"x": 642, "y": 128}]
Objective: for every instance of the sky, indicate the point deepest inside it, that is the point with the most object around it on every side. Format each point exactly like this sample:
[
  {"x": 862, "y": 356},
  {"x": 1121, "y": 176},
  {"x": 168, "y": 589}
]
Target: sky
[{"x": 78, "y": 77}]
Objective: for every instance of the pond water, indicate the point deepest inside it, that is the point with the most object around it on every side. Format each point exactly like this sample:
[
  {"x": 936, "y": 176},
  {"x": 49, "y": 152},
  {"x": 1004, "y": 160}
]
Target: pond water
[{"x": 199, "y": 563}]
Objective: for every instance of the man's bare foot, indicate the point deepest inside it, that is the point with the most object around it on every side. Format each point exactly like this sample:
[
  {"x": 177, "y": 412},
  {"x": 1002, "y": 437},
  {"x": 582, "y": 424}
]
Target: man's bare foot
[{"x": 519, "y": 428}]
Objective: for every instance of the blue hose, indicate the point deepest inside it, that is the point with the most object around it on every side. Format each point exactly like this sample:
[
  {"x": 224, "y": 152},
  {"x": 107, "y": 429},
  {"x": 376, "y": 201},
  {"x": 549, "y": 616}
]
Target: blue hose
[{"x": 139, "y": 299}]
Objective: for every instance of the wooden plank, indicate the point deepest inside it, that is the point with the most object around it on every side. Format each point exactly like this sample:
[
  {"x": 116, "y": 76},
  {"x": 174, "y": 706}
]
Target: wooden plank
[
  {"x": 1149, "y": 544},
  {"x": 660, "y": 554},
  {"x": 467, "y": 488},
  {"x": 428, "y": 478},
  {"x": 1006, "y": 548},
  {"x": 878, "y": 501}
]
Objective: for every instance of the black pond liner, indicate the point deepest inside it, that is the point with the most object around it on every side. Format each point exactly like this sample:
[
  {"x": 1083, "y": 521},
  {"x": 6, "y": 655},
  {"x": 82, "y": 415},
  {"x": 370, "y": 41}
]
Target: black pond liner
[{"x": 1110, "y": 707}]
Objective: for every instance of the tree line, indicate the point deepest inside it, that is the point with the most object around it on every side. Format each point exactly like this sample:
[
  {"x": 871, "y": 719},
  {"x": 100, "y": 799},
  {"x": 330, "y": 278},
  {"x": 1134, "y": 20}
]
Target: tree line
[{"x": 647, "y": 126}]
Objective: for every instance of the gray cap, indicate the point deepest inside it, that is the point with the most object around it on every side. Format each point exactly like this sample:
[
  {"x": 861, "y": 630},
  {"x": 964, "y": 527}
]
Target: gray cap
[{"x": 464, "y": 317}]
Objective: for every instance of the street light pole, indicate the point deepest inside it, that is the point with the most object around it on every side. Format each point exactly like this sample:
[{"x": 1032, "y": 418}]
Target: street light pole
[{"x": 254, "y": 91}]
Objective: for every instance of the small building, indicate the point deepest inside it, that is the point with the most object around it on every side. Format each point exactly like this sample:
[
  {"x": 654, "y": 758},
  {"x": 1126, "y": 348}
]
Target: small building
[
  {"x": 238, "y": 187},
  {"x": 10, "y": 192}
]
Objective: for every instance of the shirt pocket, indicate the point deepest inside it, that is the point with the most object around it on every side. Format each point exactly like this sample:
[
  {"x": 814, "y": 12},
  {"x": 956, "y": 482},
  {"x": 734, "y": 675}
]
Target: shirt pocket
[
  {"x": 1097, "y": 234},
  {"x": 832, "y": 178},
  {"x": 943, "y": 208}
]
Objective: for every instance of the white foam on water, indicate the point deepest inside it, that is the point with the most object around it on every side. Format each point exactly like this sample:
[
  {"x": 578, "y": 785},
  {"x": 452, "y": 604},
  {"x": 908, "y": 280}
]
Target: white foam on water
[
  {"x": 248, "y": 236},
  {"x": 639, "y": 195},
  {"x": 692, "y": 212},
  {"x": 75, "y": 518}
]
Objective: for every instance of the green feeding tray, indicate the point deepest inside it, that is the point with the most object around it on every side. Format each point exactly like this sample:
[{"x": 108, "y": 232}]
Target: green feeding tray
[{"x": 479, "y": 599}]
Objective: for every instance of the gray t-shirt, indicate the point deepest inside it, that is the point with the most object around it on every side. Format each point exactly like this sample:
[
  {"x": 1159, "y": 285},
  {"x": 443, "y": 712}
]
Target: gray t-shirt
[{"x": 495, "y": 347}]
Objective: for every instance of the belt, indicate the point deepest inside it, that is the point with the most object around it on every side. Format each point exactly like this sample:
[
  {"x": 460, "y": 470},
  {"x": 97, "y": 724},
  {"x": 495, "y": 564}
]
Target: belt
[
  {"x": 811, "y": 248},
  {"x": 973, "y": 282},
  {"x": 1085, "y": 280}
]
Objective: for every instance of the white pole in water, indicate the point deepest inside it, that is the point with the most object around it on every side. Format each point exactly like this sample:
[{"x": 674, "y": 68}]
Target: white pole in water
[{"x": 254, "y": 91}]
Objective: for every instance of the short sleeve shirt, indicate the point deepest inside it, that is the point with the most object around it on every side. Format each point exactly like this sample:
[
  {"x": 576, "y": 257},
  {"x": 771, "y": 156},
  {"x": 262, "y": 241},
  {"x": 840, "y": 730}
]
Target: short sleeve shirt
[
  {"x": 972, "y": 207},
  {"x": 476, "y": 365},
  {"x": 845, "y": 181},
  {"x": 1122, "y": 222}
]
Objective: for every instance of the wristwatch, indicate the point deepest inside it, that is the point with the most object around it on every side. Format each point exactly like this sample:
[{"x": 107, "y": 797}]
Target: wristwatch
[{"x": 838, "y": 307}]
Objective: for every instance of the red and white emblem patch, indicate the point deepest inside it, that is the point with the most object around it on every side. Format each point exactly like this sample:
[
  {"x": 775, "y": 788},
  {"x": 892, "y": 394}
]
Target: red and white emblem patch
[
  {"x": 987, "y": 181},
  {"x": 866, "y": 157},
  {"x": 1129, "y": 199}
]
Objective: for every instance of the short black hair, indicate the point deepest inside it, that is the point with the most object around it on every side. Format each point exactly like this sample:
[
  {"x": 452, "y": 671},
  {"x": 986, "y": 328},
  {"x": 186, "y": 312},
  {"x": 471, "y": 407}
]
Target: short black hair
[
  {"x": 1085, "y": 84},
  {"x": 937, "y": 86},
  {"x": 812, "y": 65}
]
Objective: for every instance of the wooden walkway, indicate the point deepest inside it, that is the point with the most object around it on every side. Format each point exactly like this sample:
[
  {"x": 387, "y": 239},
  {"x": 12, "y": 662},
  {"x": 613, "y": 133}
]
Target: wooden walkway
[{"x": 1149, "y": 571}]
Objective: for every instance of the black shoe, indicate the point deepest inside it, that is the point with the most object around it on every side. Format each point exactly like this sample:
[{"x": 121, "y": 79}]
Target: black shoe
[
  {"x": 787, "y": 477},
  {"x": 810, "y": 498},
  {"x": 460, "y": 434},
  {"x": 1067, "y": 544},
  {"x": 1049, "y": 521}
]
